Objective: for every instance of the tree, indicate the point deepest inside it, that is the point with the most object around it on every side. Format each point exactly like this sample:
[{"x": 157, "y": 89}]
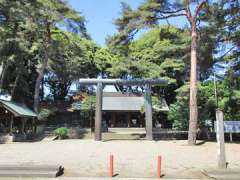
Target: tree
[
  {"x": 105, "y": 61},
  {"x": 224, "y": 19},
  {"x": 162, "y": 52},
  {"x": 148, "y": 15},
  {"x": 27, "y": 29},
  {"x": 71, "y": 57},
  {"x": 17, "y": 49},
  {"x": 50, "y": 13}
]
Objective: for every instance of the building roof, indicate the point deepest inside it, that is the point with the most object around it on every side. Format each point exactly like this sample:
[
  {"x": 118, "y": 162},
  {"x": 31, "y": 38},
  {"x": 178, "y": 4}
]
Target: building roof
[
  {"x": 19, "y": 110},
  {"x": 129, "y": 103},
  {"x": 120, "y": 94}
]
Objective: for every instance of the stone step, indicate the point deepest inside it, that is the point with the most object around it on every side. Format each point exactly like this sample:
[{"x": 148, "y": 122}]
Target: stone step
[{"x": 30, "y": 171}]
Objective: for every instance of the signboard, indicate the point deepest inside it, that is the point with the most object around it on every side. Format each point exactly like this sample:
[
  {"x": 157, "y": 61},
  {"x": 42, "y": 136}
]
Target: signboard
[{"x": 230, "y": 126}]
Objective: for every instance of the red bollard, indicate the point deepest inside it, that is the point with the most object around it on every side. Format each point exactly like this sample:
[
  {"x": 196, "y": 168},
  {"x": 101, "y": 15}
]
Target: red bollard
[
  {"x": 111, "y": 166},
  {"x": 159, "y": 161}
]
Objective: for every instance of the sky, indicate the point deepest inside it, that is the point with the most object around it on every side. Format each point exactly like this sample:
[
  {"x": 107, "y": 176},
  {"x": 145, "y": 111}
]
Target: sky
[{"x": 100, "y": 15}]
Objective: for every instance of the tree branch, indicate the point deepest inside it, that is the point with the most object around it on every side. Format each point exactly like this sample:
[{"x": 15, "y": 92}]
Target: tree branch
[
  {"x": 220, "y": 58},
  {"x": 200, "y": 7},
  {"x": 198, "y": 22},
  {"x": 189, "y": 14},
  {"x": 172, "y": 12},
  {"x": 168, "y": 23},
  {"x": 171, "y": 15}
]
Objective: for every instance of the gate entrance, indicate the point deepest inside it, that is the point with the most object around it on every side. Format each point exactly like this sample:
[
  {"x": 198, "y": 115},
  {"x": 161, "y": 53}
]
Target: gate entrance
[{"x": 148, "y": 83}]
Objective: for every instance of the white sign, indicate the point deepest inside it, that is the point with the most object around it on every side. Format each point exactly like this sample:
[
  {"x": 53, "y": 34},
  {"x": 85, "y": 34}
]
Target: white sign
[{"x": 230, "y": 126}]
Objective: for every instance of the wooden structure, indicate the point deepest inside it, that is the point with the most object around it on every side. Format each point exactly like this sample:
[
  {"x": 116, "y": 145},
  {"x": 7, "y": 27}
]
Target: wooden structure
[
  {"x": 99, "y": 99},
  {"x": 15, "y": 114},
  {"x": 123, "y": 109}
]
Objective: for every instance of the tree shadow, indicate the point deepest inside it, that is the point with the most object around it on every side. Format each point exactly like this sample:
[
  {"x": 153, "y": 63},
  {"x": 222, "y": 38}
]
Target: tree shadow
[
  {"x": 115, "y": 175},
  {"x": 200, "y": 143}
]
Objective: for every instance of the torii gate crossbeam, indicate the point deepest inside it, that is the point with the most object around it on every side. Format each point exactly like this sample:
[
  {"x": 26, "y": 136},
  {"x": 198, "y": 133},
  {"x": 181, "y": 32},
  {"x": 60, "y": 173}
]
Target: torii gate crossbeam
[{"x": 148, "y": 100}]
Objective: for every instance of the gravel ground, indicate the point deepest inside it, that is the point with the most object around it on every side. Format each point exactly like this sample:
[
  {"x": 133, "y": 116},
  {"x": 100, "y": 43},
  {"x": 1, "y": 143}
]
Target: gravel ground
[{"x": 87, "y": 158}]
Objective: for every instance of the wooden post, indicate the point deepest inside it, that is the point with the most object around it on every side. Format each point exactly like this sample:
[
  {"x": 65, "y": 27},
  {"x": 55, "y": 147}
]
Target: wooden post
[
  {"x": 90, "y": 114},
  {"x": 129, "y": 119},
  {"x": 141, "y": 120},
  {"x": 231, "y": 138},
  {"x": 220, "y": 139},
  {"x": 11, "y": 125},
  {"x": 34, "y": 126},
  {"x": 148, "y": 112},
  {"x": 23, "y": 125},
  {"x": 98, "y": 113},
  {"x": 113, "y": 119}
]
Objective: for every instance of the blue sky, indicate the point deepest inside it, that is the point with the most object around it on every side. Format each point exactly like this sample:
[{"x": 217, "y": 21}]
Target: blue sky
[{"x": 100, "y": 15}]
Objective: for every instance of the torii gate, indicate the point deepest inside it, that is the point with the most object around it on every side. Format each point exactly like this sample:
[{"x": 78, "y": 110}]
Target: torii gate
[{"x": 147, "y": 97}]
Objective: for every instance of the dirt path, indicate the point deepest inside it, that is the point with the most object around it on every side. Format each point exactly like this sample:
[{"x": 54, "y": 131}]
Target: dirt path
[{"x": 132, "y": 158}]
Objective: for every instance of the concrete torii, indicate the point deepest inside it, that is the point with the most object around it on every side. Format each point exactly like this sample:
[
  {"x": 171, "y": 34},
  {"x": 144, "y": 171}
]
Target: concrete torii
[{"x": 148, "y": 100}]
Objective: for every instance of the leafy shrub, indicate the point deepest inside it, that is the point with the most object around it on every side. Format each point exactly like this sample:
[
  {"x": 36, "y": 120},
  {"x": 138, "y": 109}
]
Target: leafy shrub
[
  {"x": 45, "y": 113},
  {"x": 62, "y": 132},
  {"x": 88, "y": 102},
  {"x": 178, "y": 114}
]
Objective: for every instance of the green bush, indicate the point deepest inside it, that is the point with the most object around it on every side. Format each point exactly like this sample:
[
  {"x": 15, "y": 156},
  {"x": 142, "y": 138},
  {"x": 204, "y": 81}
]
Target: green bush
[
  {"x": 45, "y": 113},
  {"x": 179, "y": 114},
  {"x": 62, "y": 132}
]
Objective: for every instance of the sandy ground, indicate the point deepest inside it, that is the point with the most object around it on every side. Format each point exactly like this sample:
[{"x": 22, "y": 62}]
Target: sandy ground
[{"x": 88, "y": 158}]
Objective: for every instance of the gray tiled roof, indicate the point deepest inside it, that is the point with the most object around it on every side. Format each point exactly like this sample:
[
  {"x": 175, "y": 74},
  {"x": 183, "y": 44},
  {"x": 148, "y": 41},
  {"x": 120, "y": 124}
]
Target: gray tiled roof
[
  {"x": 17, "y": 109},
  {"x": 129, "y": 103}
]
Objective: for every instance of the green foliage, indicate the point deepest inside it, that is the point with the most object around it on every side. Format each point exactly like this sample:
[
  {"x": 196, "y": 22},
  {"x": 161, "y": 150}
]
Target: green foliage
[
  {"x": 160, "y": 52},
  {"x": 227, "y": 97},
  {"x": 71, "y": 57},
  {"x": 179, "y": 115},
  {"x": 157, "y": 103},
  {"x": 26, "y": 30},
  {"x": 45, "y": 113},
  {"x": 88, "y": 102},
  {"x": 62, "y": 132},
  {"x": 228, "y": 100},
  {"x": 107, "y": 62}
]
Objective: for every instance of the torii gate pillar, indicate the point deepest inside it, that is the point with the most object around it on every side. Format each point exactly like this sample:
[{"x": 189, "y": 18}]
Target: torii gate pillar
[
  {"x": 98, "y": 113},
  {"x": 148, "y": 112}
]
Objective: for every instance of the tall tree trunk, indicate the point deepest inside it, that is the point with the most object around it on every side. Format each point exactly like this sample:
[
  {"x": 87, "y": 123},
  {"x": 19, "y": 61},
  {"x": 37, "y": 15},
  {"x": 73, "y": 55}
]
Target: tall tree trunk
[
  {"x": 39, "y": 79},
  {"x": 42, "y": 69},
  {"x": 42, "y": 89},
  {"x": 3, "y": 75},
  {"x": 15, "y": 94},
  {"x": 193, "y": 116}
]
